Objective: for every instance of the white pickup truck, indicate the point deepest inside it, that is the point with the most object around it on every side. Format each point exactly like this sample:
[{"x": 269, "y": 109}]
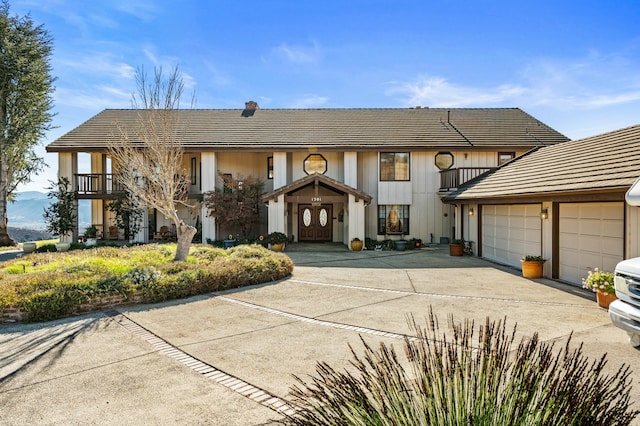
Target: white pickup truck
[{"x": 625, "y": 312}]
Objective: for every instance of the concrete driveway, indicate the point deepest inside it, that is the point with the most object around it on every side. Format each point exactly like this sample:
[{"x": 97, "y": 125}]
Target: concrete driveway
[{"x": 228, "y": 359}]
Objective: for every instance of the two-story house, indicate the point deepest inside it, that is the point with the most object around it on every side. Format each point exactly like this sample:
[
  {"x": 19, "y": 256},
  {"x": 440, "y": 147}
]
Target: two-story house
[{"x": 330, "y": 174}]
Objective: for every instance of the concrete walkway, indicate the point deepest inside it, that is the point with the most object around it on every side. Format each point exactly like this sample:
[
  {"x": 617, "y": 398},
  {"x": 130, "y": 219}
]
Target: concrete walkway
[{"x": 228, "y": 359}]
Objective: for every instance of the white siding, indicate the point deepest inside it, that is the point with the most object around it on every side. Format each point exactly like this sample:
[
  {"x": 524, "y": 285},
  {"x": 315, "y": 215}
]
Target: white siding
[
  {"x": 591, "y": 236},
  {"x": 633, "y": 232}
]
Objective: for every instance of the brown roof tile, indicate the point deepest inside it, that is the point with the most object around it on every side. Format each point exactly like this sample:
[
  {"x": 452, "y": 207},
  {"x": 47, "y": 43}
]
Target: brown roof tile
[
  {"x": 603, "y": 162},
  {"x": 357, "y": 129}
]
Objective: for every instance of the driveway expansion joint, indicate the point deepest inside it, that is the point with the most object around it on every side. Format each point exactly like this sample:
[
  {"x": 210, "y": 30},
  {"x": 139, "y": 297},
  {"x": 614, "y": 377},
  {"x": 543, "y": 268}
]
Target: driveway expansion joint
[{"x": 233, "y": 383}]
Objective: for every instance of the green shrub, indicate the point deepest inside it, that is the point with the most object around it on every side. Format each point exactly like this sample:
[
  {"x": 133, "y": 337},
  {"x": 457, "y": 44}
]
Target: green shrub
[
  {"x": 46, "y": 248},
  {"x": 466, "y": 377},
  {"x": 50, "y": 285},
  {"x": 51, "y": 304}
]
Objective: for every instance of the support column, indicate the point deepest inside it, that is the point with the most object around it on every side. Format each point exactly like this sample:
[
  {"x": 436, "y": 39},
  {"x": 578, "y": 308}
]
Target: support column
[
  {"x": 351, "y": 169},
  {"x": 209, "y": 167},
  {"x": 98, "y": 206},
  {"x": 279, "y": 169},
  {"x": 355, "y": 220},
  {"x": 277, "y": 218},
  {"x": 68, "y": 168}
]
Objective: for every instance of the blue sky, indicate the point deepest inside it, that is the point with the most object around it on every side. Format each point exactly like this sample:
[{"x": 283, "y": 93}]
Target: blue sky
[{"x": 575, "y": 65}]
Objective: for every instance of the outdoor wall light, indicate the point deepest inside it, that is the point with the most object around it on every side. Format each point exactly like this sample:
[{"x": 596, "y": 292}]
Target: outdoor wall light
[
  {"x": 544, "y": 214},
  {"x": 471, "y": 211}
]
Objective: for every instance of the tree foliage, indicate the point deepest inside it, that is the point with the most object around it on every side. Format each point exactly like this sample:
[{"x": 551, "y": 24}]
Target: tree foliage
[
  {"x": 26, "y": 88},
  {"x": 236, "y": 206},
  {"x": 128, "y": 214},
  {"x": 60, "y": 215},
  {"x": 147, "y": 155}
]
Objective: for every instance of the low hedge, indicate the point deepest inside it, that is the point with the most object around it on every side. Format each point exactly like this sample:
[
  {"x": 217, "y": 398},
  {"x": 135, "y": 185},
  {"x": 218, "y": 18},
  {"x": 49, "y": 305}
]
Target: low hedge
[{"x": 46, "y": 286}]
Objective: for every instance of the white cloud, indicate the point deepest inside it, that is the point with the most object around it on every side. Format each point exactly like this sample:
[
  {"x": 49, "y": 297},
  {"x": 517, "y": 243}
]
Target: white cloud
[
  {"x": 309, "y": 101},
  {"x": 586, "y": 83},
  {"x": 298, "y": 54}
]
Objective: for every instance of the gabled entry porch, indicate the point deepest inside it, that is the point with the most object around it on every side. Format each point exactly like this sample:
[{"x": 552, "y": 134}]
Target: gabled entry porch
[{"x": 317, "y": 208}]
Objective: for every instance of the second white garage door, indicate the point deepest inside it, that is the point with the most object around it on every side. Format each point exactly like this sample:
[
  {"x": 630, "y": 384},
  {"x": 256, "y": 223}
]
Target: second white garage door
[
  {"x": 510, "y": 232},
  {"x": 591, "y": 236}
]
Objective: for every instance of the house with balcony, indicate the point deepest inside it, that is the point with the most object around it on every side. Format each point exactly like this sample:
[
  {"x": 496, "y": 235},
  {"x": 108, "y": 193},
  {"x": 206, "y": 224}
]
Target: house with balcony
[
  {"x": 564, "y": 202},
  {"x": 330, "y": 174}
]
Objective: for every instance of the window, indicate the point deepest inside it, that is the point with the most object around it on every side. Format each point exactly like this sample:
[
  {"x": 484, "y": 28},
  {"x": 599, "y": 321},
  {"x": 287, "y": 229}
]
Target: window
[
  {"x": 269, "y": 167},
  {"x": 227, "y": 184},
  {"x": 444, "y": 160},
  {"x": 315, "y": 163},
  {"x": 393, "y": 219},
  {"x": 503, "y": 157},
  {"x": 194, "y": 177},
  {"x": 394, "y": 166}
]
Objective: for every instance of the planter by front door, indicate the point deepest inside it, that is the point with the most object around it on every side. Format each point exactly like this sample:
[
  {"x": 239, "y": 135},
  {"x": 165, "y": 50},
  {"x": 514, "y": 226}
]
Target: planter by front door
[
  {"x": 531, "y": 269},
  {"x": 277, "y": 246},
  {"x": 356, "y": 245}
]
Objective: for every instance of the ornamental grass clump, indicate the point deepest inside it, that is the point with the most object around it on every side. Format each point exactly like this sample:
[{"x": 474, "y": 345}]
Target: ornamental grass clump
[
  {"x": 467, "y": 376},
  {"x": 599, "y": 280}
]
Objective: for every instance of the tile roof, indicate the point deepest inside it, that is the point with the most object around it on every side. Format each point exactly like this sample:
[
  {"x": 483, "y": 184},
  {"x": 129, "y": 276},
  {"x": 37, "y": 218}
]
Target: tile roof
[
  {"x": 610, "y": 161},
  {"x": 356, "y": 129}
]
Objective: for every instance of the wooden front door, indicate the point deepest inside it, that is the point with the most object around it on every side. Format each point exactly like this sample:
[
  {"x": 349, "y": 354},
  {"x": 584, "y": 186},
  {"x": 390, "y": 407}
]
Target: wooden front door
[{"x": 315, "y": 223}]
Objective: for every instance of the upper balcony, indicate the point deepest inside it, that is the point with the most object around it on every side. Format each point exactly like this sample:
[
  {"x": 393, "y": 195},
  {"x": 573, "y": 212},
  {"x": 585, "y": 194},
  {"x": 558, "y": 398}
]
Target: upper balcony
[
  {"x": 453, "y": 178},
  {"x": 96, "y": 185},
  {"x": 103, "y": 186}
]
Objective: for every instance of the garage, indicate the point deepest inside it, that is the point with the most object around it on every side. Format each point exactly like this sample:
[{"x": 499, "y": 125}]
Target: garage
[
  {"x": 510, "y": 232},
  {"x": 591, "y": 236}
]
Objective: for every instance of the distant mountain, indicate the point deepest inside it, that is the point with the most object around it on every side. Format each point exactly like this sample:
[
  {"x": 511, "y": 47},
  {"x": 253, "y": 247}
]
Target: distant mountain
[{"x": 26, "y": 212}]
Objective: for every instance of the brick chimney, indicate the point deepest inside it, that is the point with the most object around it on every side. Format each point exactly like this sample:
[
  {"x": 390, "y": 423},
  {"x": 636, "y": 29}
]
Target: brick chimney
[{"x": 250, "y": 108}]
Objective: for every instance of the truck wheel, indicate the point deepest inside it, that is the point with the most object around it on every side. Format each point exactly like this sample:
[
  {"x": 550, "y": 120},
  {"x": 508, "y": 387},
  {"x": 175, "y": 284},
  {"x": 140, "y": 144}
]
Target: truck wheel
[{"x": 634, "y": 339}]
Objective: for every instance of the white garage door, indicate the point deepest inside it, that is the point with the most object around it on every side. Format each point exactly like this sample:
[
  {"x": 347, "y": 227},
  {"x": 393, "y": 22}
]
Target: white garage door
[
  {"x": 510, "y": 232},
  {"x": 591, "y": 236}
]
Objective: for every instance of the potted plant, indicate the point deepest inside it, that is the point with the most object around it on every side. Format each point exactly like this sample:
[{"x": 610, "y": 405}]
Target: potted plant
[
  {"x": 91, "y": 234},
  {"x": 356, "y": 244},
  {"x": 456, "y": 247},
  {"x": 229, "y": 242},
  {"x": 277, "y": 241},
  {"x": 532, "y": 266},
  {"x": 602, "y": 284},
  {"x": 400, "y": 245}
]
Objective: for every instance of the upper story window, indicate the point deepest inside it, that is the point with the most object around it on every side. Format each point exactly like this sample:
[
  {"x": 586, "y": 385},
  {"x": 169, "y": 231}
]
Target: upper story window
[
  {"x": 269, "y": 167},
  {"x": 315, "y": 163},
  {"x": 394, "y": 166},
  {"x": 444, "y": 160},
  {"x": 503, "y": 157}
]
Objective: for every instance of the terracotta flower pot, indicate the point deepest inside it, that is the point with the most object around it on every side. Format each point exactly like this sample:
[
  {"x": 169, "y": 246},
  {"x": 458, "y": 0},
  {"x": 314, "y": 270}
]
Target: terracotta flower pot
[
  {"x": 604, "y": 299},
  {"x": 456, "y": 249},
  {"x": 356, "y": 245},
  {"x": 531, "y": 268}
]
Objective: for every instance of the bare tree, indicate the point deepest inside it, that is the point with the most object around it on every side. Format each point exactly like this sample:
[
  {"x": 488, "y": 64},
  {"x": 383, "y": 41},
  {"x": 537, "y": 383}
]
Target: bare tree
[{"x": 147, "y": 155}]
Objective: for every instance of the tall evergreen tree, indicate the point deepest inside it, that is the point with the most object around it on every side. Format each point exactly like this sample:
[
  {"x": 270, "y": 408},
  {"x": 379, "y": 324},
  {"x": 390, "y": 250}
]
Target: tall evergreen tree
[{"x": 26, "y": 88}]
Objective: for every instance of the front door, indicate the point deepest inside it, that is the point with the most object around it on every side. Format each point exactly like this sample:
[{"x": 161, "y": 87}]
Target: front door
[{"x": 315, "y": 222}]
